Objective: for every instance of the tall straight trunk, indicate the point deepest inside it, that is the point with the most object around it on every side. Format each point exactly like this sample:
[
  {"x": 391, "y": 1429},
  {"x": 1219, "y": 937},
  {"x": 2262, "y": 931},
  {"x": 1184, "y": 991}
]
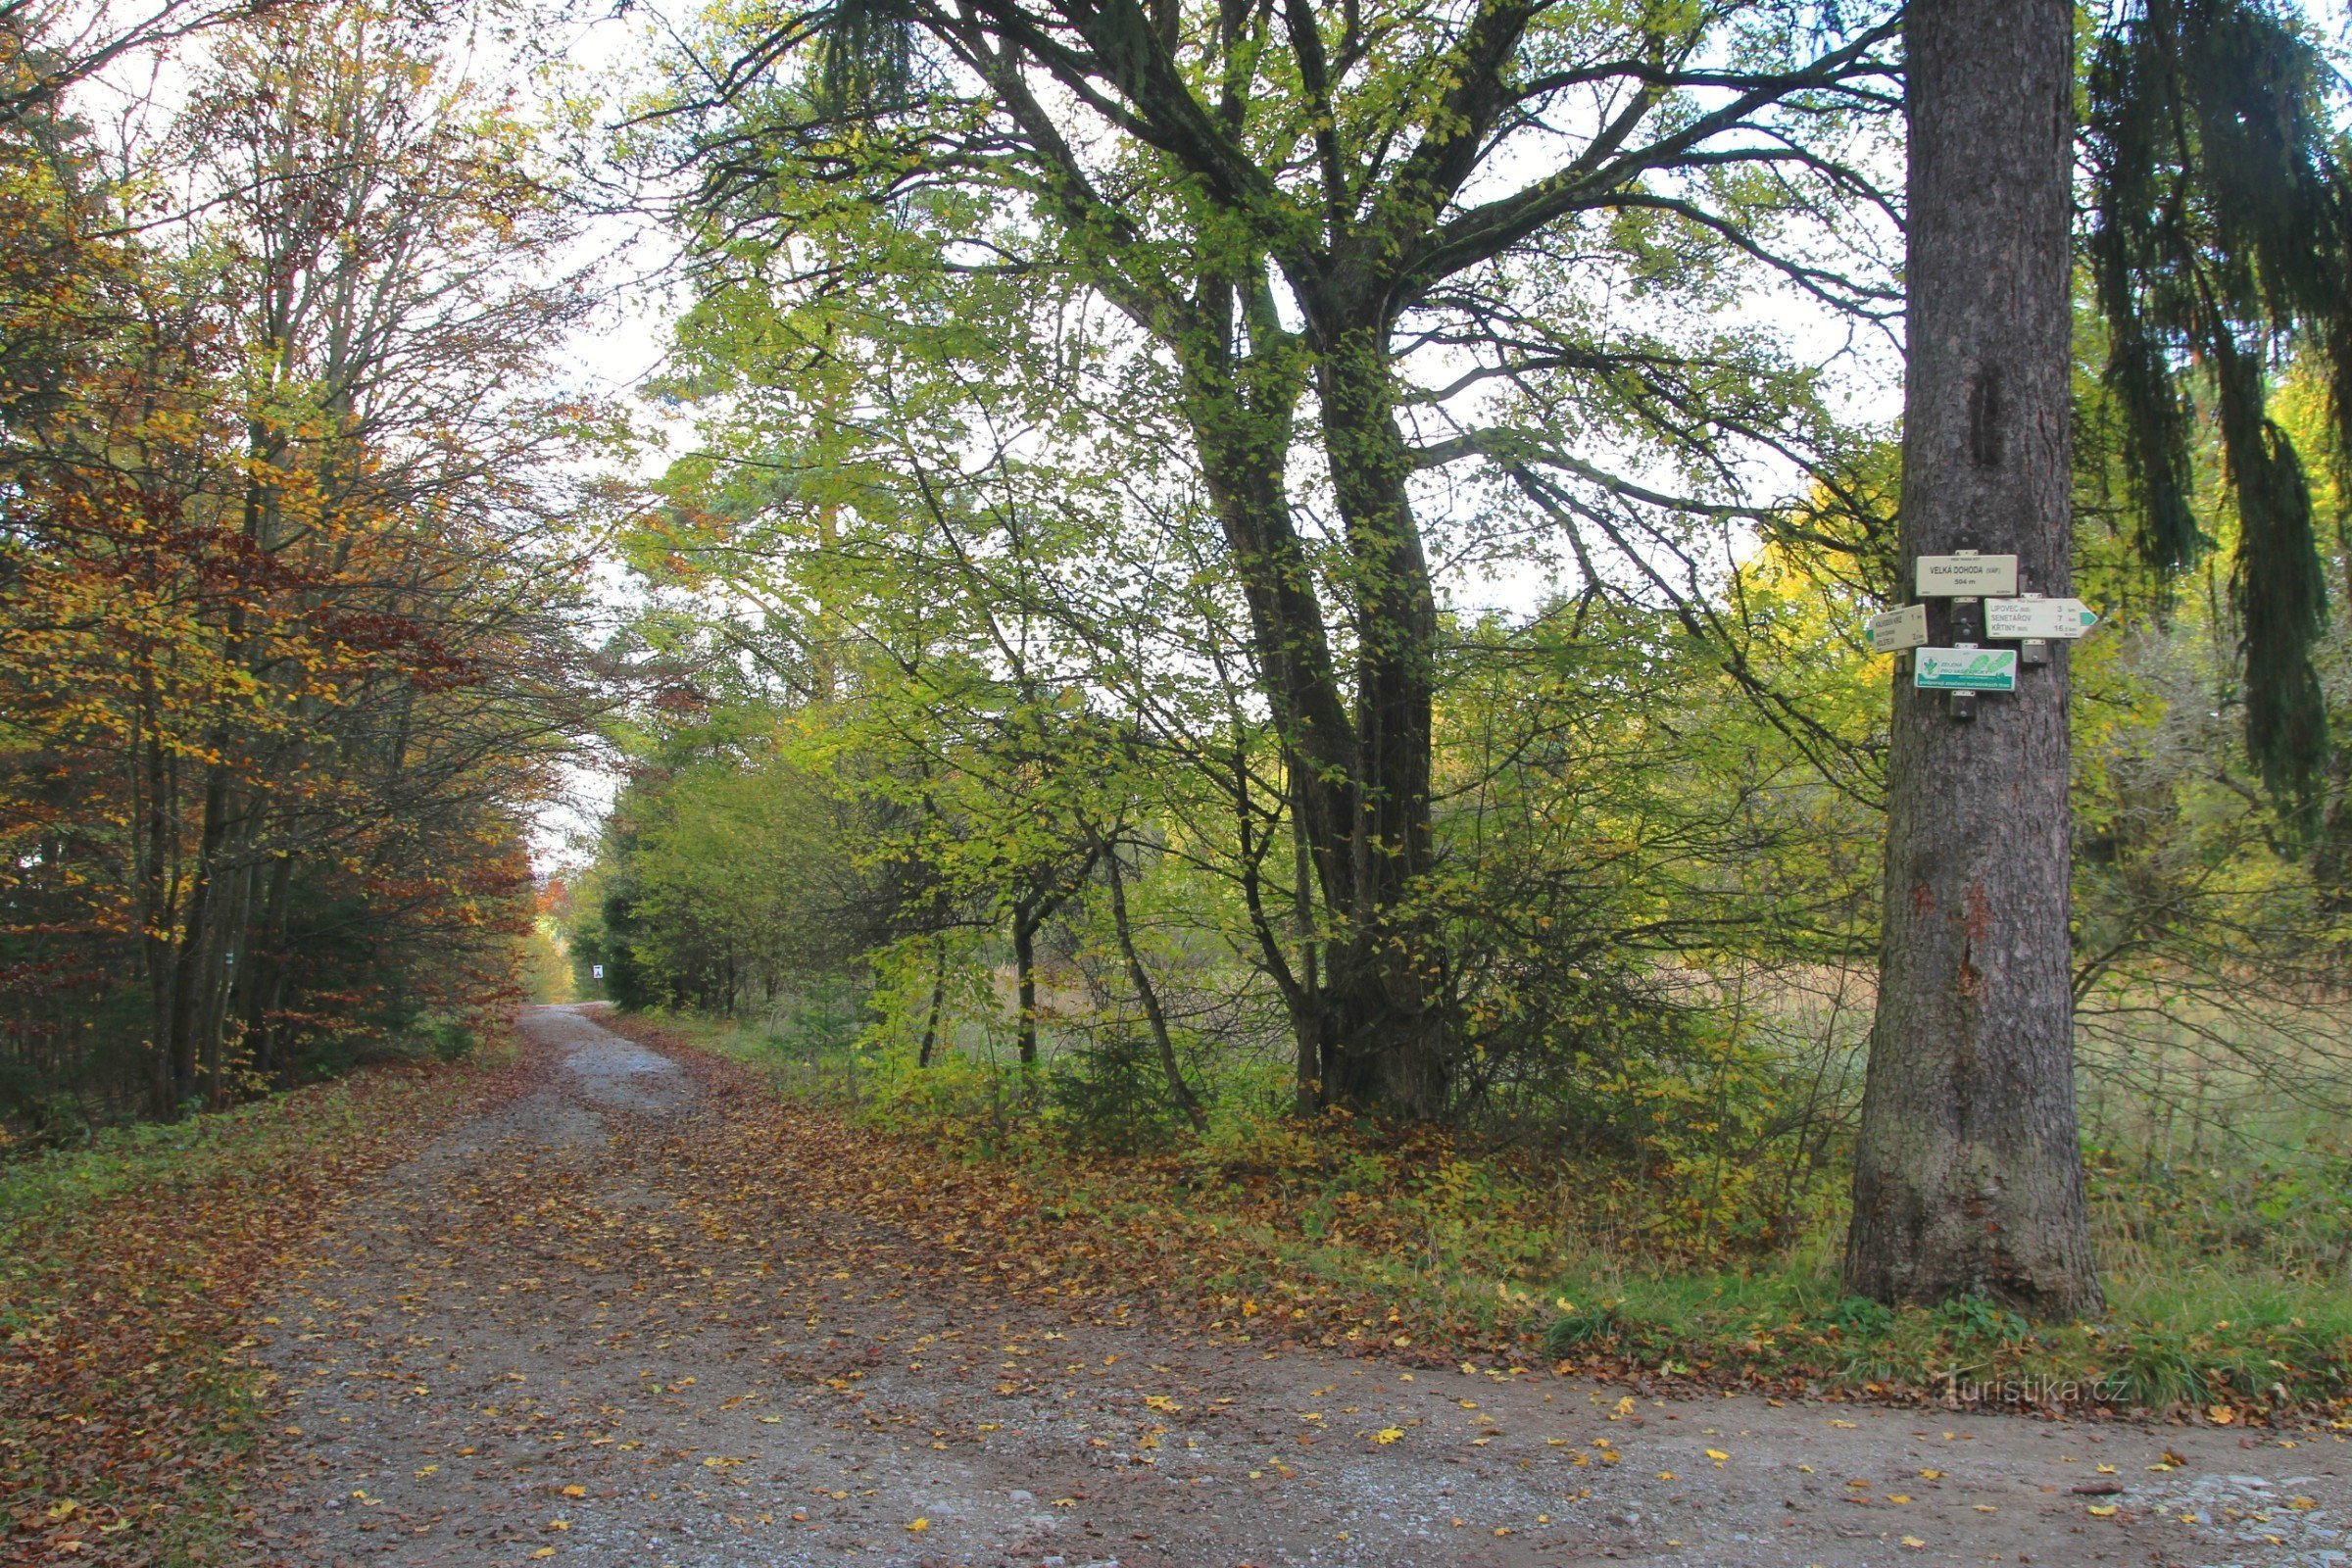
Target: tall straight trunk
[
  {"x": 155, "y": 899},
  {"x": 195, "y": 967},
  {"x": 1968, "y": 1172},
  {"x": 266, "y": 976}
]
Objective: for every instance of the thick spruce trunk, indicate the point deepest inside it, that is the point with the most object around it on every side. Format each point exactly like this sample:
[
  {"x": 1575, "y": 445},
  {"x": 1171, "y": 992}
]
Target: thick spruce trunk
[{"x": 1968, "y": 1174}]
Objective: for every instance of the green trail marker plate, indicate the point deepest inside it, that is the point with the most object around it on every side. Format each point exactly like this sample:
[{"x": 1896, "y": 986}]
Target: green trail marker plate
[
  {"x": 1898, "y": 629},
  {"x": 1964, "y": 669},
  {"x": 2066, "y": 619}
]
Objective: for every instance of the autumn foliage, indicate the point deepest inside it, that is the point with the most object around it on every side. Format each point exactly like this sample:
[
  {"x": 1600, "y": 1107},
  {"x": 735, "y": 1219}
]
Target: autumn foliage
[{"x": 285, "y": 646}]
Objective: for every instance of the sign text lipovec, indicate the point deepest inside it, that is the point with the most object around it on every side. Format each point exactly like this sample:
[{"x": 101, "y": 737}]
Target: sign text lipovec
[{"x": 2066, "y": 618}]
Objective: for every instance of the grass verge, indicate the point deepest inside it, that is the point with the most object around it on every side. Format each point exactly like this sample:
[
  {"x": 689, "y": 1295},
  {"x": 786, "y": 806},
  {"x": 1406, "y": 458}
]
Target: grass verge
[
  {"x": 1419, "y": 1249},
  {"x": 127, "y": 1407}
]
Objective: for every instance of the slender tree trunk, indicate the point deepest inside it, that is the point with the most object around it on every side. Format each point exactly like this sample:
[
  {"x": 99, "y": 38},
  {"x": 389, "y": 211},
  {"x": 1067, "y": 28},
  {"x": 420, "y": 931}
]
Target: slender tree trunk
[
  {"x": 1178, "y": 1090},
  {"x": 155, "y": 899},
  {"x": 1025, "y": 965},
  {"x": 266, "y": 980},
  {"x": 194, "y": 968},
  {"x": 1968, "y": 1171},
  {"x": 939, "y": 997}
]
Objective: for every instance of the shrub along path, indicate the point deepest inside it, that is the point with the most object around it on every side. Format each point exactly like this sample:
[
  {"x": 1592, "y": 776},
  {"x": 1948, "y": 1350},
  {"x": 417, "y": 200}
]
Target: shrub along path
[{"x": 644, "y": 1313}]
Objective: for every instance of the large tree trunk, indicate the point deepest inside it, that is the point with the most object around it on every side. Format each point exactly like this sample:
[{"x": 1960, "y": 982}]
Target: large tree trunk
[
  {"x": 1968, "y": 1174},
  {"x": 1359, "y": 768},
  {"x": 1392, "y": 1047}
]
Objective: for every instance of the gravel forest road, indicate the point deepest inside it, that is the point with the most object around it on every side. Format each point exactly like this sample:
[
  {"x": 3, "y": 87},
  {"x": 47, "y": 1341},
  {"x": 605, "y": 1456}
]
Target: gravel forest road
[{"x": 531, "y": 1343}]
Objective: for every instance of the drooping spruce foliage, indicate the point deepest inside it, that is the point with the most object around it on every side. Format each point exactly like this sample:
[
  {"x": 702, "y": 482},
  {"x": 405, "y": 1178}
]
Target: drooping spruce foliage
[{"x": 2222, "y": 240}]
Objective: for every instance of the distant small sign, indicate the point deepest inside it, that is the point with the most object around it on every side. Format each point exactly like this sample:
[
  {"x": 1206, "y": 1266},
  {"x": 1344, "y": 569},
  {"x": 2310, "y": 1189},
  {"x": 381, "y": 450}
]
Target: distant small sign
[
  {"x": 2066, "y": 619},
  {"x": 595, "y": 972},
  {"x": 1898, "y": 629},
  {"x": 1967, "y": 576},
  {"x": 1964, "y": 669}
]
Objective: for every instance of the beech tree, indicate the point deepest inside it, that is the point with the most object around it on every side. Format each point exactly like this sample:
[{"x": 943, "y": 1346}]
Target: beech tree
[{"x": 1353, "y": 235}]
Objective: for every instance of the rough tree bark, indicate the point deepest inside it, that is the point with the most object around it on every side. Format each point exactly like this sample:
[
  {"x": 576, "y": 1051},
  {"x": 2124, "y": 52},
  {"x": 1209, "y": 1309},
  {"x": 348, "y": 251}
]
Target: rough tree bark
[{"x": 1968, "y": 1174}]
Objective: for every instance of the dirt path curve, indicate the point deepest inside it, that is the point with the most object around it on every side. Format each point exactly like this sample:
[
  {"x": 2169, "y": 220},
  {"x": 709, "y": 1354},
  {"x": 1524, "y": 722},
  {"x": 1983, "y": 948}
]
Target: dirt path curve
[{"x": 529, "y": 1346}]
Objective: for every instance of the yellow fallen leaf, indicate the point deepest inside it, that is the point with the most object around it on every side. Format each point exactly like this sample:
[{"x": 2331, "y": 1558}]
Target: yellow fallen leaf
[
  {"x": 1665, "y": 1475},
  {"x": 544, "y": 1551},
  {"x": 2106, "y": 1469},
  {"x": 1848, "y": 1425},
  {"x": 2220, "y": 1415},
  {"x": 1898, "y": 1496},
  {"x": 2102, "y": 1510},
  {"x": 1987, "y": 1507},
  {"x": 1161, "y": 1402},
  {"x": 1914, "y": 1542},
  {"x": 918, "y": 1525},
  {"x": 1717, "y": 1454},
  {"x": 576, "y": 1492},
  {"x": 559, "y": 1524},
  {"x": 1388, "y": 1435},
  {"x": 1502, "y": 1530},
  {"x": 2301, "y": 1505},
  {"x": 1931, "y": 1475}
]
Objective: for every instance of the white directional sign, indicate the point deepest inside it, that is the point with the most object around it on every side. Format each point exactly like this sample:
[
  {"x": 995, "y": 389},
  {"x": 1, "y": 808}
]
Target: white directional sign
[
  {"x": 1898, "y": 629},
  {"x": 2037, "y": 618},
  {"x": 1964, "y": 669},
  {"x": 1967, "y": 576}
]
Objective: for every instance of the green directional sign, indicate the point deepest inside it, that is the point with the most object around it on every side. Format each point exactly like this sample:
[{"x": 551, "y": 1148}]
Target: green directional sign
[{"x": 1964, "y": 669}]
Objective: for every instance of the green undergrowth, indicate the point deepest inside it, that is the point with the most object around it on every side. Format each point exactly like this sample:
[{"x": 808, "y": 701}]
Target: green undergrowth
[{"x": 2225, "y": 1285}]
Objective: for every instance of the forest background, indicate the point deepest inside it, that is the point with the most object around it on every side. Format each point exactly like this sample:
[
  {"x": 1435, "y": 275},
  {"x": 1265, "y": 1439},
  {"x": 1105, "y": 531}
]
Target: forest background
[{"x": 1028, "y": 660}]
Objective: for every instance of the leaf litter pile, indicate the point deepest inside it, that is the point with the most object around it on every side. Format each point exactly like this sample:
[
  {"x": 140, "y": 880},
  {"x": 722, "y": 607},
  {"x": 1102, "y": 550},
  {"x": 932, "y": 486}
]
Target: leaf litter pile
[
  {"x": 127, "y": 1400},
  {"x": 648, "y": 1313},
  {"x": 641, "y": 1311}
]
